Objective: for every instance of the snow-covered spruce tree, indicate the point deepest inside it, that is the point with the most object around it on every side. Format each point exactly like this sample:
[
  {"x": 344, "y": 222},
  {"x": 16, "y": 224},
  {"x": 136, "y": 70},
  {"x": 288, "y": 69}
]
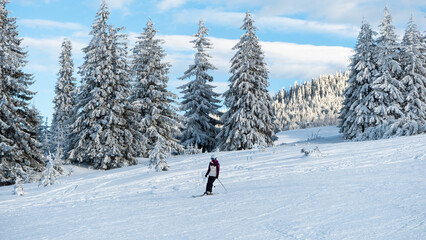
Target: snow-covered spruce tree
[
  {"x": 414, "y": 80},
  {"x": 249, "y": 119},
  {"x": 64, "y": 100},
  {"x": 200, "y": 101},
  {"x": 45, "y": 136},
  {"x": 356, "y": 112},
  {"x": 52, "y": 171},
  {"x": 159, "y": 154},
  {"x": 386, "y": 96},
  {"x": 101, "y": 135},
  {"x": 157, "y": 112},
  {"x": 19, "y": 146}
]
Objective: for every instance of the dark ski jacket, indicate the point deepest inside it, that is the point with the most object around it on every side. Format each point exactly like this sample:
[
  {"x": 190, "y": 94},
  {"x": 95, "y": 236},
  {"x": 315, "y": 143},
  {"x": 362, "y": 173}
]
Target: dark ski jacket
[{"x": 213, "y": 165}]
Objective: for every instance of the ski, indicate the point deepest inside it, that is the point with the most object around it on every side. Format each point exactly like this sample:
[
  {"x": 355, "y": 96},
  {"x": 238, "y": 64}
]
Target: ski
[{"x": 201, "y": 195}]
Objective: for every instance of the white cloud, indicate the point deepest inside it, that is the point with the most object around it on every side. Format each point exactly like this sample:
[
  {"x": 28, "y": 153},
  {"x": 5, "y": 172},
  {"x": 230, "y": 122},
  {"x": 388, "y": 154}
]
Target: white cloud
[
  {"x": 266, "y": 22},
  {"x": 47, "y": 24},
  {"x": 341, "y": 18},
  {"x": 177, "y": 42},
  {"x": 122, "y": 5},
  {"x": 165, "y": 5},
  {"x": 284, "y": 60},
  {"x": 40, "y": 67},
  {"x": 330, "y": 11},
  {"x": 119, "y": 4},
  {"x": 47, "y": 50},
  {"x": 32, "y": 2},
  {"x": 285, "y": 24},
  {"x": 211, "y": 17},
  {"x": 289, "y": 60}
]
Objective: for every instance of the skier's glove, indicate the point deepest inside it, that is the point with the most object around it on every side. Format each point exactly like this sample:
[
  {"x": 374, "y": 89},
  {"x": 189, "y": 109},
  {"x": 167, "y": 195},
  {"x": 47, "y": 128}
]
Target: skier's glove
[{"x": 205, "y": 175}]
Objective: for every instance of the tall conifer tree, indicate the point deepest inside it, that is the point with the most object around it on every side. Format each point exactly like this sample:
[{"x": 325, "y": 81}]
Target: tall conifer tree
[
  {"x": 20, "y": 152},
  {"x": 64, "y": 100},
  {"x": 414, "y": 81},
  {"x": 157, "y": 113},
  {"x": 386, "y": 97},
  {"x": 357, "y": 113},
  {"x": 101, "y": 130},
  {"x": 200, "y": 101},
  {"x": 249, "y": 119}
]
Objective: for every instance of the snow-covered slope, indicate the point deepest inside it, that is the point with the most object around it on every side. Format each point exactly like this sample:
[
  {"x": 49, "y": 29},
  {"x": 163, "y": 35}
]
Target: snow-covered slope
[{"x": 348, "y": 190}]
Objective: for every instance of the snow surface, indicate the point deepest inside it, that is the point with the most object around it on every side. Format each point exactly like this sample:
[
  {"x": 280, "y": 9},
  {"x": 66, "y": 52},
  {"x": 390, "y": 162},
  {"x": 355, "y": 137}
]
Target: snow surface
[{"x": 351, "y": 190}]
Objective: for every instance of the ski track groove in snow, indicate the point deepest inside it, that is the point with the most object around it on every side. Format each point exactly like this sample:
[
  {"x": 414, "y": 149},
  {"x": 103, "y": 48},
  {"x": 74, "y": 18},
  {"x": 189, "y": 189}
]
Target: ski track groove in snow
[{"x": 352, "y": 190}]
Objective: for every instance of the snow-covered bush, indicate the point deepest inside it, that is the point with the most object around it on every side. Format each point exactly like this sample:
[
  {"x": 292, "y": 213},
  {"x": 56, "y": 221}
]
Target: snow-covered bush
[
  {"x": 313, "y": 152},
  {"x": 18, "y": 189},
  {"x": 191, "y": 150},
  {"x": 158, "y": 156},
  {"x": 314, "y": 136},
  {"x": 51, "y": 172}
]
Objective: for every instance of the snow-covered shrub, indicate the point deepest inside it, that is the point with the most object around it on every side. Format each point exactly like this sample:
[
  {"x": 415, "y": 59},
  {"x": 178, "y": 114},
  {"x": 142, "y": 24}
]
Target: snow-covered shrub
[
  {"x": 158, "y": 155},
  {"x": 314, "y": 136},
  {"x": 19, "y": 189},
  {"x": 51, "y": 172},
  {"x": 313, "y": 152},
  {"x": 191, "y": 150}
]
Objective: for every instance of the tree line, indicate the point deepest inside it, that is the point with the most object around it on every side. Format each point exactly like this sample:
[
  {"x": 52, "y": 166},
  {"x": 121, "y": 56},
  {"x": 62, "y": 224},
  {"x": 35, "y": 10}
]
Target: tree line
[
  {"x": 310, "y": 104},
  {"x": 382, "y": 95},
  {"x": 386, "y": 94},
  {"x": 122, "y": 109}
]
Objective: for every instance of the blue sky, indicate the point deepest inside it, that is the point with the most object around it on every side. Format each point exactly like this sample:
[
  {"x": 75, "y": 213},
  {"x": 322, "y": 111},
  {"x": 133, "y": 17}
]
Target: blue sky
[{"x": 301, "y": 39}]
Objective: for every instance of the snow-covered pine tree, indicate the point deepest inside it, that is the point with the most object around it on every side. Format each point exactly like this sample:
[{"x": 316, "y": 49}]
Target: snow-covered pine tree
[
  {"x": 19, "y": 146},
  {"x": 386, "y": 97},
  {"x": 45, "y": 136},
  {"x": 157, "y": 113},
  {"x": 249, "y": 119},
  {"x": 159, "y": 154},
  {"x": 356, "y": 111},
  {"x": 200, "y": 101},
  {"x": 101, "y": 131},
  {"x": 64, "y": 100},
  {"x": 52, "y": 171},
  {"x": 414, "y": 80}
]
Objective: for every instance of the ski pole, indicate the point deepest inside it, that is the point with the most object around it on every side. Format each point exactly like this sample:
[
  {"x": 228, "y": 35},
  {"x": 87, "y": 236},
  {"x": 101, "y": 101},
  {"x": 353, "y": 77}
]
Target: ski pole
[{"x": 222, "y": 185}]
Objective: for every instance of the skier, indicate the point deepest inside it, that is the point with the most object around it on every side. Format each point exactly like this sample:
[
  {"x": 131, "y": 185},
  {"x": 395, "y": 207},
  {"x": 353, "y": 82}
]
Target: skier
[{"x": 213, "y": 173}]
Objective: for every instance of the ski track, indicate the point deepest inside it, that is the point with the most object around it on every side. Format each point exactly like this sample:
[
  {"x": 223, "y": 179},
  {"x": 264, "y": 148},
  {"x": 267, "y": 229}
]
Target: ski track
[{"x": 352, "y": 190}]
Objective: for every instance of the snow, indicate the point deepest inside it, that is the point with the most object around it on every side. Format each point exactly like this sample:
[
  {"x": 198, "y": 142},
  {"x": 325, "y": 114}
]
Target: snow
[{"x": 353, "y": 190}]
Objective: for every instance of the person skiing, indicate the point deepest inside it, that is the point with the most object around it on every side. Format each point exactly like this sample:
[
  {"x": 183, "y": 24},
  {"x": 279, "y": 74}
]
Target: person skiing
[{"x": 212, "y": 173}]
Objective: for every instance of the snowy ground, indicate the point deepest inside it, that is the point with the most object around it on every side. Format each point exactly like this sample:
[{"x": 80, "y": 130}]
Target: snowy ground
[{"x": 348, "y": 190}]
